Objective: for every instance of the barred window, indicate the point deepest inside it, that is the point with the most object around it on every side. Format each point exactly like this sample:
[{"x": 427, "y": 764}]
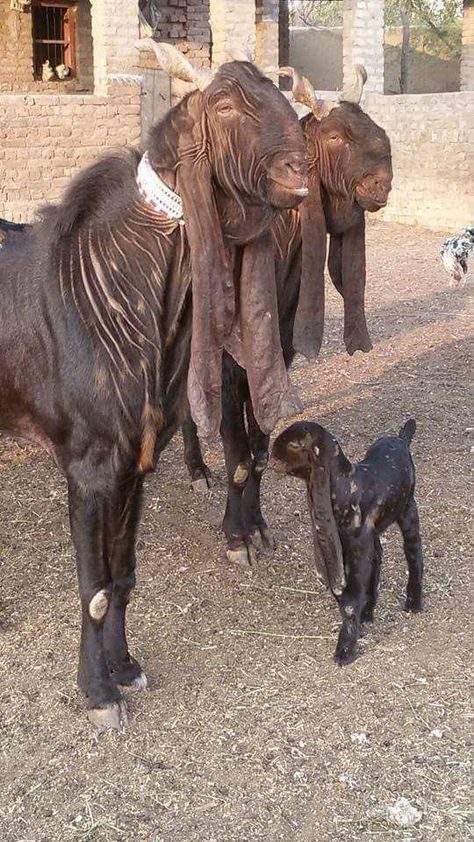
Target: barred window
[{"x": 54, "y": 33}]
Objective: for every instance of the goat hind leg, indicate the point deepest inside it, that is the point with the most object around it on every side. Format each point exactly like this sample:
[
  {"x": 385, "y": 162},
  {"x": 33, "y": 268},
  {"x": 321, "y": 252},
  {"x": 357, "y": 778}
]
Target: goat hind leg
[
  {"x": 409, "y": 524},
  {"x": 123, "y": 512}
]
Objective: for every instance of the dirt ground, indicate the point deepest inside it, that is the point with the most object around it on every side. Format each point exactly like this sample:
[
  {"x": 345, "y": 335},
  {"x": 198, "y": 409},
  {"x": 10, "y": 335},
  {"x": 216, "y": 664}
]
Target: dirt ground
[{"x": 248, "y": 731}]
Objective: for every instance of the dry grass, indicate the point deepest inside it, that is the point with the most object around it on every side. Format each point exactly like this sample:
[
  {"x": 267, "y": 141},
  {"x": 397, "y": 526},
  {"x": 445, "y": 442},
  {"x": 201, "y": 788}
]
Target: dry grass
[{"x": 245, "y": 732}]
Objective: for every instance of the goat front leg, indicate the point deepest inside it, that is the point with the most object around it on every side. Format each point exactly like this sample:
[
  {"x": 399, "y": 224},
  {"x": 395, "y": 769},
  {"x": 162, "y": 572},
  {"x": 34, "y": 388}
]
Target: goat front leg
[
  {"x": 238, "y": 464},
  {"x": 86, "y": 514},
  {"x": 356, "y": 335},
  {"x": 122, "y": 519},
  {"x": 251, "y": 505},
  {"x": 359, "y": 552},
  {"x": 373, "y": 589},
  {"x": 198, "y": 470},
  {"x": 409, "y": 524}
]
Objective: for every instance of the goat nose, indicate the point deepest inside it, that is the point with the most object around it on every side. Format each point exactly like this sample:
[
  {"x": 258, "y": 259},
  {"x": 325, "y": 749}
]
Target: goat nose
[{"x": 296, "y": 167}]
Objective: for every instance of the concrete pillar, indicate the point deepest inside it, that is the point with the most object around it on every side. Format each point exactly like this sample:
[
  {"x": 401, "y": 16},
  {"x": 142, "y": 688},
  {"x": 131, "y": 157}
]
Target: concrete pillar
[
  {"x": 232, "y": 27},
  {"x": 114, "y": 34},
  {"x": 363, "y": 37},
  {"x": 267, "y": 33},
  {"x": 467, "y": 54}
]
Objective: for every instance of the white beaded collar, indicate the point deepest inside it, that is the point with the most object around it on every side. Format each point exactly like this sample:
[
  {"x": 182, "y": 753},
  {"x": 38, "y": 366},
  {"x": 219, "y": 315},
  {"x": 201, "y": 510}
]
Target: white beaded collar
[{"x": 156, "y": 193}]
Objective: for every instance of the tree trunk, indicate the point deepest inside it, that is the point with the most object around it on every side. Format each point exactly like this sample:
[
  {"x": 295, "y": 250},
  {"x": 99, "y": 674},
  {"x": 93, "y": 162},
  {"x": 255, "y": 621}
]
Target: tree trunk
[{"x": 405, "y": 54}]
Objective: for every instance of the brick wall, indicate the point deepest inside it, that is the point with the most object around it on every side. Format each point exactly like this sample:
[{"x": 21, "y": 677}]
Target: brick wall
[
  {"x": 46, "y": 139},
  {"x": 16, "y": 53},
  {"x": 433, "y": 157},
  {"x": 363, "y": 28}
]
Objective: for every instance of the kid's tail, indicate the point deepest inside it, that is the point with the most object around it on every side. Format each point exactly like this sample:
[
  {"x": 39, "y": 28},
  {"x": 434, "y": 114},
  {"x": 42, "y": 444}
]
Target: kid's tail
[{"x": 408, "y": 430}]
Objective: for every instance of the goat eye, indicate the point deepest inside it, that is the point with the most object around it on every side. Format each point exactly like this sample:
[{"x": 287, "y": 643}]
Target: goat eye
[
  {"x": 225, "y": 108},
  {"x": 334, "y": 137},
  {"x": 294, "y": 445}
]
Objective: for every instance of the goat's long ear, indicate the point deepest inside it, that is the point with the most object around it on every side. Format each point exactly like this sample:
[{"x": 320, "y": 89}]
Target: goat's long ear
[
  {"x": 309, "y": 320},
  {"x": 327, "y": 545},
  {"x": 212, "y": 282}
]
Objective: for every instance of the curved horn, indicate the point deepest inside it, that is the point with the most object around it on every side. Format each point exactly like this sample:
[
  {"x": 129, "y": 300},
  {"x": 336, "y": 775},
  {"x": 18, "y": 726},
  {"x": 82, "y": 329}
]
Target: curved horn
[
  {"x": 241, "y": 54},
  {"x": 354, "y": 92},
  {"x": 302, "y": 89},
  {"x": 172, "y": 61},
  {"x": 304, "y": 92}
]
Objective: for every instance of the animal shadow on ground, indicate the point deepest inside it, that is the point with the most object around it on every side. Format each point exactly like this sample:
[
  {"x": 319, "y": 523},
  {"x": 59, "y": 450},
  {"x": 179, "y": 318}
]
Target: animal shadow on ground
[{"x": 397, "y": 319}]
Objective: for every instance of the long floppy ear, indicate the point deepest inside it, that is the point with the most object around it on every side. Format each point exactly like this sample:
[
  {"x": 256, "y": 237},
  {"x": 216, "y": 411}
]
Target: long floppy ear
[
  {"x": 309, "y": 320},
  {"x": 212, "y": 282},
  {"x": 327, "y": 544}
]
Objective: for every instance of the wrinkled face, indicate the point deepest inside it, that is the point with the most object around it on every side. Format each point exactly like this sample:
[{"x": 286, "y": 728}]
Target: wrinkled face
[
  {"x": 355, "y": 157},
  {"x": 296, "y": 449},
  {"x": 255, "y": 142}
]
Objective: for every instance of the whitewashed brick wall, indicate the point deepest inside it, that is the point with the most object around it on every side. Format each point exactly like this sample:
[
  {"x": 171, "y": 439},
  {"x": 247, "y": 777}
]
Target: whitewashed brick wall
[
  {"x": 363, "y": 37},
  {"x": 433, "y": 157}
]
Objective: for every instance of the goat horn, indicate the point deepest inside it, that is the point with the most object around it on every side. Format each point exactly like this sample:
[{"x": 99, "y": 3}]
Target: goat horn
[
  {"x": 354, "y": 92},
  {"x": 172, "y": 62},
  {"x": 304, "y": 92},
  {"x": 241, "y": 54}
]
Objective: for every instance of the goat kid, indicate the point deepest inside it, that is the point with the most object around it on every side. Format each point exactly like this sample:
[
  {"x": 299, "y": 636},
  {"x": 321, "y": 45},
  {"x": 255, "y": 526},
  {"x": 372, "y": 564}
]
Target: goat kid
[{"x": 350, "y": 507}]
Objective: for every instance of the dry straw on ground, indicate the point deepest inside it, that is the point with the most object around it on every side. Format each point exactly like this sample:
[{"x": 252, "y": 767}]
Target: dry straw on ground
[{"x": 245, "y": 734}]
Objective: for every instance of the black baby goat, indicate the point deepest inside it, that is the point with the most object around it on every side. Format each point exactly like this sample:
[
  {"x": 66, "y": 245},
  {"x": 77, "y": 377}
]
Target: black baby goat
[{"x": 350, "y": 507}]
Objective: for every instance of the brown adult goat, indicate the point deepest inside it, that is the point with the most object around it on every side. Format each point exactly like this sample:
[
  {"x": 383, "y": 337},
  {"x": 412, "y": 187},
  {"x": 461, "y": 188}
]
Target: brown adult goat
[
  {"x": 350, "y": 171},
  {"x": 99, "y": 328}
]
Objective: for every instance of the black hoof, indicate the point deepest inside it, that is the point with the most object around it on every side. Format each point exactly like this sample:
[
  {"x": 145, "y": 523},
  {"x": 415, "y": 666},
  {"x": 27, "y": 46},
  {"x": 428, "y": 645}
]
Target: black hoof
[
  {"x": 367, "y": 615},
  {"x": 345, "y": 656},
  {"x": 413, "y": 605}
]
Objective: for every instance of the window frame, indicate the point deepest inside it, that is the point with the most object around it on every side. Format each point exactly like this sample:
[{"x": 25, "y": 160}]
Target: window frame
[{"x": 70, "y": 34}]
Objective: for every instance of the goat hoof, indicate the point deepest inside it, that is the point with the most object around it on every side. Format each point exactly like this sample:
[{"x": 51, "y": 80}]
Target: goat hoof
[
  {"x": 367, "y": 617},
  {"x": 358, "y": 341},
  {"x": 111, "y": 718},
  {"x": 244, "y": 556},
  {"x": 413, "y": 605},
  {"x": 344, "y": 656}
]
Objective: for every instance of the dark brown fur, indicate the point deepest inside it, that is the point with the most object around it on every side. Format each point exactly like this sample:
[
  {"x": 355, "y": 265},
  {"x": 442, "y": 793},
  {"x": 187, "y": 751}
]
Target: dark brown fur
[{"x": 98, "y": 328}]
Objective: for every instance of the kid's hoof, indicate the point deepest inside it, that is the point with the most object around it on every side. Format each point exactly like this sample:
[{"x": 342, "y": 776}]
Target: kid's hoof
[
  {"x": 344, "y": 657},
  {"x": 243, "y": 556},
  {"x": 111, "y": 718}
]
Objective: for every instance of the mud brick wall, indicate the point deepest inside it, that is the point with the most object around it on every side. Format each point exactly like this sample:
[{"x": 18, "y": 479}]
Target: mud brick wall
[
  {"x": 433, "y": 157},
  {"x": 46, "y": 139},
  {"x": 16, "y": 53}
]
